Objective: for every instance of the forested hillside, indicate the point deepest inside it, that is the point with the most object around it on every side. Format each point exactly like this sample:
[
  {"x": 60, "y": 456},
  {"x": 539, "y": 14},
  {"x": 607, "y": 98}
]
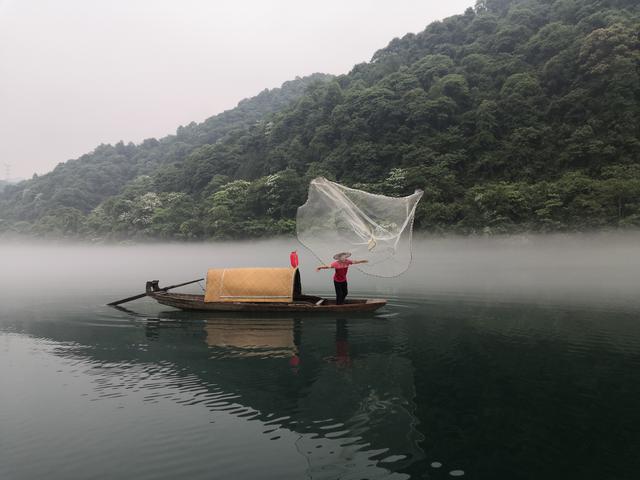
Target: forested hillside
[
  {"x": 518, "y": 115},
  {"x": 58, "y": 203}
]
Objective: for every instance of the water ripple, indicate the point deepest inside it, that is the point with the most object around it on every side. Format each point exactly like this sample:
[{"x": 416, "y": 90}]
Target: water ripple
[{"x": 174, "y": 396}]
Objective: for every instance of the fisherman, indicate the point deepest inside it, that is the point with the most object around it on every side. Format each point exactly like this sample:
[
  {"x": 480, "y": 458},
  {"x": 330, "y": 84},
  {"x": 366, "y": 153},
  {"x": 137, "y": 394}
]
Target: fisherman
[{"x": 341, "y": 266}]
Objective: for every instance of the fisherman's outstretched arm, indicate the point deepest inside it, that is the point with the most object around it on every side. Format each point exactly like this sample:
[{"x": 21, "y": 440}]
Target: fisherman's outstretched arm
[{"x": 327, "y": 267}]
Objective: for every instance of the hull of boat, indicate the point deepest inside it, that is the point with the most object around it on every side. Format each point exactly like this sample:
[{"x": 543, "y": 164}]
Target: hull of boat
[{"x": 196, "y": 302}]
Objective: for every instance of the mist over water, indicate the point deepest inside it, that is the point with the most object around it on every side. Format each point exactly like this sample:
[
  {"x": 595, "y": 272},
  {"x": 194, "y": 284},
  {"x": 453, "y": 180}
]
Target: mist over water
[
  {"x": 502, "y": 357},
  {"x": 600, "y": 268}
]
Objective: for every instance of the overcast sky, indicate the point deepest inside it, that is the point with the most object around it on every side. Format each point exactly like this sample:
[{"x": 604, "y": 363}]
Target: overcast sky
[{"x": 77, "y": 73}]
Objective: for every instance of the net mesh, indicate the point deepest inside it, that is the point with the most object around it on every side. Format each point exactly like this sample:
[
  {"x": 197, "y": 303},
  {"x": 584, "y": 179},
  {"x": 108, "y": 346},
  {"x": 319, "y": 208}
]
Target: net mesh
[{"x": 372, "y": 227}]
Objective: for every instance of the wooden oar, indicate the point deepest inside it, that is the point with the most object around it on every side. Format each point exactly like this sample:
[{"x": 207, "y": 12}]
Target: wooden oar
[{"x": 135, "y": 297}]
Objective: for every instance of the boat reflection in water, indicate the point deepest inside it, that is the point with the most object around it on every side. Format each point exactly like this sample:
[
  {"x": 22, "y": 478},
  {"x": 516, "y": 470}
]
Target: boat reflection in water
[
  {"x": 348, "y": 403},
  {"x": 246, "y": 337}
]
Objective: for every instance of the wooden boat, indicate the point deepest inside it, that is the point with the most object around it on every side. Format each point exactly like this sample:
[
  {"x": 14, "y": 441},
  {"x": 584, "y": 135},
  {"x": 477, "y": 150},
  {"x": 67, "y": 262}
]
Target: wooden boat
[
  {"x": 185, "y": 301},
  {"x": 257, "y": 290}
]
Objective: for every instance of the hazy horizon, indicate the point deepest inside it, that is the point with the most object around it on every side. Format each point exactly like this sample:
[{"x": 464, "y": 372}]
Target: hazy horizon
[
  {"x": 597, "y": 269},
  {"x": 74, "y": 75}
]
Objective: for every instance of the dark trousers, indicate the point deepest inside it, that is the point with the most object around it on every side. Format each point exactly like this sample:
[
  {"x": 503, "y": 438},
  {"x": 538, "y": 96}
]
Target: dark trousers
[{"x": 341, "y": 292}]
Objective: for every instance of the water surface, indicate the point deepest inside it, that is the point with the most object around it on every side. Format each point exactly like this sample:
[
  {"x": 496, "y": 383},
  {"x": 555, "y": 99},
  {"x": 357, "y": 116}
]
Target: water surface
[{"x": 499, "y": 370}]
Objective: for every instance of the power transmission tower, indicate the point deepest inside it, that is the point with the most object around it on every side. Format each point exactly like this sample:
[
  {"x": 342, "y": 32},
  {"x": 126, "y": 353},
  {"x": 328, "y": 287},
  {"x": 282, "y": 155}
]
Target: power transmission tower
[{"x": 7, "y": 171}]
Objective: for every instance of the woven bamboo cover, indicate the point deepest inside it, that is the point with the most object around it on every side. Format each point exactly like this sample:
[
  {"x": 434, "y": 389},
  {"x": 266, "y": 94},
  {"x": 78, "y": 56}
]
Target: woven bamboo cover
[{"x": 250, "y": 285}]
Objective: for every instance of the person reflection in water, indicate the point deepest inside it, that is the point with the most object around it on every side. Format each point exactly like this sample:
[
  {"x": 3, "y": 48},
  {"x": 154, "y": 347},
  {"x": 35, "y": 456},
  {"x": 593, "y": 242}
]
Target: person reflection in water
[
  {"x": 343, "y": 358},
  {"x": 341, "y": 266}
]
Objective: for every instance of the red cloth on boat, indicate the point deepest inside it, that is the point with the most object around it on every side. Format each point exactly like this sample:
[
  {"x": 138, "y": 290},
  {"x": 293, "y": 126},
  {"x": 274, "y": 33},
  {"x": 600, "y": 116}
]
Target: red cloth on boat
[{"x": 341, "y": 270}]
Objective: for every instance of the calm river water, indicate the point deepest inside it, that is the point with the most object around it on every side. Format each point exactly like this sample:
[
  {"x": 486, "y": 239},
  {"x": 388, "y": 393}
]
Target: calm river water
[{"x": 510, "y": 359}]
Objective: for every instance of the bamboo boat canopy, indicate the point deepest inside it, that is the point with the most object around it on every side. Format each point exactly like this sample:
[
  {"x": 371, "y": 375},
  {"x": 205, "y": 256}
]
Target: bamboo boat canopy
[{"x": 252, "y": 285}]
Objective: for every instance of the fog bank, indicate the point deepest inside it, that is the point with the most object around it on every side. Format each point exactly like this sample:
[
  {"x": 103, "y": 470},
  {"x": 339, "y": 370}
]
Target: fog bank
[{"x": 601, "y": 268}]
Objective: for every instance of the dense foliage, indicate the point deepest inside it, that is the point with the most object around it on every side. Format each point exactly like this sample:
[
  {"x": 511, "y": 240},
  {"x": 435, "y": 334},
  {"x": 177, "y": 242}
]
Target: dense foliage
[
  {"x": 516, "y": 115},
  {"x": 59, "y": 203}
]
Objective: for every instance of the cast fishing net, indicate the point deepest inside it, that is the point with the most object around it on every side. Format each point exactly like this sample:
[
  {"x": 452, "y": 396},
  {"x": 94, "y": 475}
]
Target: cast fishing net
[{"x": 372, "y": 227}]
